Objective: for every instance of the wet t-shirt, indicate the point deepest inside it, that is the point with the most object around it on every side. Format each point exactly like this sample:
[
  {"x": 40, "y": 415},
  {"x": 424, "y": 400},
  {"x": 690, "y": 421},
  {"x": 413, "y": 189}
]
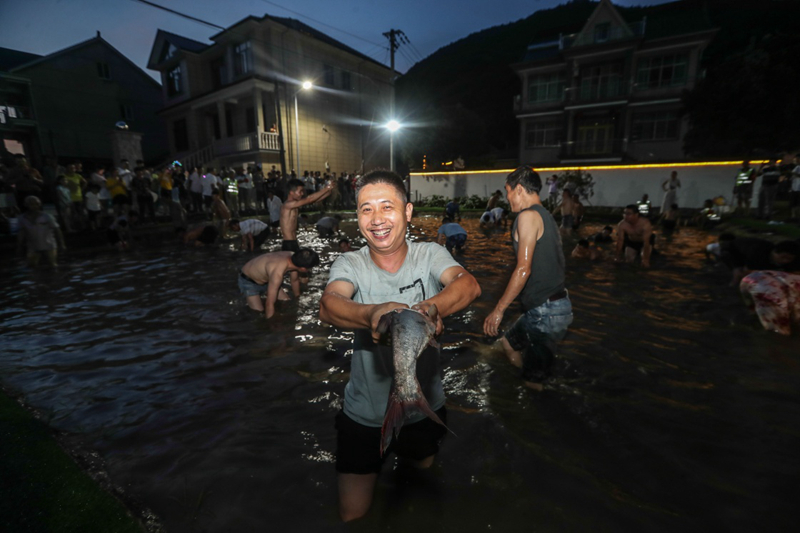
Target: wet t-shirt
[{"x": 367, "y": 393}]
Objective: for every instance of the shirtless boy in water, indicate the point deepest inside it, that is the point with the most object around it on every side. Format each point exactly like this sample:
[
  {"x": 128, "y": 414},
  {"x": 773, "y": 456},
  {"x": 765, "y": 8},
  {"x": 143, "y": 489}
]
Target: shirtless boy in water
[
  {"x": 634, "y": 236},
  {"x": 264, "y": 275},
  {"x": 295, "y": 199}
]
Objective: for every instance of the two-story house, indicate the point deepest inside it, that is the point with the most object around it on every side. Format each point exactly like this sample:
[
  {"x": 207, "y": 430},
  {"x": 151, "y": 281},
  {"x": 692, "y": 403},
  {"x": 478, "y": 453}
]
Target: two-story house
[
  {"x": 240, "y": 100},
  {"x": 613, "y": 91},
  {"x": 19, "y": 129},
  {"x": 80, "y": 93}
]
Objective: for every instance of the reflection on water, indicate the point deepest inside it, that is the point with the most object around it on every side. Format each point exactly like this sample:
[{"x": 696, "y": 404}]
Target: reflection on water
[{"x": 670, "y": 409}]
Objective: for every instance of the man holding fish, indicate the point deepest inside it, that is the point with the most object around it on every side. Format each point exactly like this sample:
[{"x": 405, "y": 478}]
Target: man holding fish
[{"x": 406, "y": 288}]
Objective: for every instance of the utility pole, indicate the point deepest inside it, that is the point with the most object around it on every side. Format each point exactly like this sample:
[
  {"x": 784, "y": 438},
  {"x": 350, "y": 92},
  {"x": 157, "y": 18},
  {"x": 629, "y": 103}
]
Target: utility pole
[{"x": 396, "y": 38}]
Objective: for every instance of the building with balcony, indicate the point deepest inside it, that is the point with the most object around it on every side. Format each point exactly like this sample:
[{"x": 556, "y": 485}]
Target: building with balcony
[
  {"x": 613, "y": 91},
  {"x": 19, "y": 129},
  {"x": 79, "y": 93},
  {"x": 239, "y": 100}
]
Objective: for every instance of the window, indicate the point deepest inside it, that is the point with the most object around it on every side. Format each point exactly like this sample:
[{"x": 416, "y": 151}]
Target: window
[
  {"x": 243, "y": 58},
  {"x": 347, "y": 81},
  {"x": 546, "y": 87},
  {"x": 655, "y": 126},
  {"x": 181, "y": 135},
  {"x": 102, "y": 71},
  {"x": 663, "y": 71},
  {"x": 217, "y": 73},
  {"x": 328, "y": 75},
  {"x": 174, "y": 81},
  {"x": 544, "y": 135},
  {"x": 126, "y": 112},
  {"x": 601, "y": 81},
  {"x": 601, "y": 32}
]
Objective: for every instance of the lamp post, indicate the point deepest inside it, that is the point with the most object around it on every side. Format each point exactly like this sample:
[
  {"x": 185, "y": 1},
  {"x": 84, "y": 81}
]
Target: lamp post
[
  {"x": 392, "y": 126},
  {"x": 306, "y": 86}
]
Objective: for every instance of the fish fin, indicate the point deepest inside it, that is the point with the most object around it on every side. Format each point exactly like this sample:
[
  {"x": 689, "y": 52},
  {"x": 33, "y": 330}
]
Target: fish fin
[
  {"x": 433, "y": 312},
  {"x": 385, "y": 322},
  {"x": 396, "y": 414},
  {"x": 435, "y": 344},
  {"x": 392, "y": 422}
]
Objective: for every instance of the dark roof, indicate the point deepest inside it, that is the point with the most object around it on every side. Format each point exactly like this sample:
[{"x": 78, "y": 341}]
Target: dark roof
[
  {"x": 184, "y": 43},
  {"x": 11, "y": 58},
  {"x": 537, "y": 52},
  {"x": 308, "y": 30}
]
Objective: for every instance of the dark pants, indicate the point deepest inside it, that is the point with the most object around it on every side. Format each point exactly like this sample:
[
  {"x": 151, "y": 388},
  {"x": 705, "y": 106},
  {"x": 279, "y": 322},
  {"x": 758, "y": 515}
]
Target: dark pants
[
  {"x": 766, "y": 200},
  {"x": 146, "y": 204}
]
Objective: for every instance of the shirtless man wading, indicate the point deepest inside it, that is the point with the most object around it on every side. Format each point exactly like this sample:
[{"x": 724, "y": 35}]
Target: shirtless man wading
[
  {"x": 264, "y": 276},
  {"x": 295, "y": 199},
  {"x": 634, "y": 236}
]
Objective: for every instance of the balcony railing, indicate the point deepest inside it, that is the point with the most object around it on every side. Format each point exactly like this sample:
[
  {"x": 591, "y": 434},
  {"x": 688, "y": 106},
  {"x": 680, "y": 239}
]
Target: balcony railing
[
  {"x": 249, "y": 142},
  {"x": 15, "y": 112},
  {"x": 596, "y": 92}
]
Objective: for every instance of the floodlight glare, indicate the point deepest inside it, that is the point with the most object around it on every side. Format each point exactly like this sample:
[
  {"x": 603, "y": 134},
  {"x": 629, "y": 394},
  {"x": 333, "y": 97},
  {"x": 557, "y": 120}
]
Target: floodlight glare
[
  {"x": 393, "y": 125},
  {"x": 307, "y": 85}
]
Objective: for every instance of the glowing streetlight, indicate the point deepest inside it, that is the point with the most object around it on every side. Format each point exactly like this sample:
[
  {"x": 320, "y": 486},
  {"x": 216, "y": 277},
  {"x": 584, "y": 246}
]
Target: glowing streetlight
[
  {"x": 304, "y": 87},
  {"x": 392, "y": 126}
]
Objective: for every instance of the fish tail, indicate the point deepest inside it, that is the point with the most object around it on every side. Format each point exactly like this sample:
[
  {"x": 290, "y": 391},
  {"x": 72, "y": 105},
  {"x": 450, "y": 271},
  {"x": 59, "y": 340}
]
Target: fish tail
[{"x": 396, "y": 414}]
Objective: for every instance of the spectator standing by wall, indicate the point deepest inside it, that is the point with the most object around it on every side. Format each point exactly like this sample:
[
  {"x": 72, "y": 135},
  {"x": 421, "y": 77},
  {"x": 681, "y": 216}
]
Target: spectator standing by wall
[{"x": 770, "y": 176}]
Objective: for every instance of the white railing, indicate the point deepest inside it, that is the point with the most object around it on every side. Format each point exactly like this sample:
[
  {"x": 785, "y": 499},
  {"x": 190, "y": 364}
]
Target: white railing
[
  {"x": 197, "y": 158},
  {"x": 249, "y": 142},
  {"x": 269, "y": 141}
]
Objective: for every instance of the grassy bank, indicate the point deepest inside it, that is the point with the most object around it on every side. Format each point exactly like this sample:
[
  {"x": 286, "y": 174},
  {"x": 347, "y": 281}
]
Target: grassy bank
[{"x": 42, "y": 489}]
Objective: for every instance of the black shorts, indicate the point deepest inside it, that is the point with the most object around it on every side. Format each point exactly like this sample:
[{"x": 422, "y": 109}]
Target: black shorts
[
  {"x": 358, "y": 447},
  {"x": 290, "y": 246}
]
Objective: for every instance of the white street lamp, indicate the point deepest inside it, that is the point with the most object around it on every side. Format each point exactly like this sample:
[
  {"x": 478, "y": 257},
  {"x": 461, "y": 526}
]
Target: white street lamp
[
  {"x": 304, "y": 87},
  {"x": 392, "y": 126}
]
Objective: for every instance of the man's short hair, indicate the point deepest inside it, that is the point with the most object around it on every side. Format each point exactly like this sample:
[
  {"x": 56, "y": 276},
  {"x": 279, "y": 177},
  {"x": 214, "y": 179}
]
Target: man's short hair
[
  {"x": 233, "y": 222},
  {"x": 383, "y": 176},
  {"x": 32, "y": 202},
  {"x": 609, "y": 228},
  {"x": 293, "y": 184},
  {"x": 305, "y": 258},
  {"x": 633, "y": 207},
  {"x": 527, "y": 177}
]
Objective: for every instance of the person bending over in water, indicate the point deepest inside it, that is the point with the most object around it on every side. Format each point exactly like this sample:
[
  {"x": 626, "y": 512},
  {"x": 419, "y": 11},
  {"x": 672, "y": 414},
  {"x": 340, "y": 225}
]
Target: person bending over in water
[
  {"x": 200, "y": 235},
  {"x": 586, "y": 250},
  {"x": 537, "y": 279},
  {"x": 265, "y": 273},
  {"x": 603, "y": 236},
  {"x": 389, "y": 273},
  {"x": 452, "y": 235},
  {"x": 634, "y": 237},
  {"x": 254, "y": 233}
]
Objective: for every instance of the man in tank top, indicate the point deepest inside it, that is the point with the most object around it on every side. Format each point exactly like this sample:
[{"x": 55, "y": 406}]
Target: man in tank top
[{"x": 538, "y": 281}]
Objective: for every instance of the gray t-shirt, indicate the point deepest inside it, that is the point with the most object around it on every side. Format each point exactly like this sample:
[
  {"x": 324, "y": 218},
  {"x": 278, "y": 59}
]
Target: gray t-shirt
[{"x": 367, "y": 393}]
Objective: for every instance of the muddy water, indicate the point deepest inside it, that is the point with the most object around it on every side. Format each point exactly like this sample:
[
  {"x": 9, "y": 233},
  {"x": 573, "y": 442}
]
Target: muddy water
[{"x": 669, "y": 410}]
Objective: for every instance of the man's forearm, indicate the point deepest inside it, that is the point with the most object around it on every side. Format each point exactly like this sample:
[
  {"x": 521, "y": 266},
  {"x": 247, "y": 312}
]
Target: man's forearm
[
  {"x": 515, "y": 285},
  {"x": 344, "y": 313},
  {"x": 457, "y": 295}
]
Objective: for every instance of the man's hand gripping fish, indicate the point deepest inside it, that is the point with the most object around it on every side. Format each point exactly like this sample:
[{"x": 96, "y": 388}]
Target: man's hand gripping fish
[{"x": 411, "y": 331}]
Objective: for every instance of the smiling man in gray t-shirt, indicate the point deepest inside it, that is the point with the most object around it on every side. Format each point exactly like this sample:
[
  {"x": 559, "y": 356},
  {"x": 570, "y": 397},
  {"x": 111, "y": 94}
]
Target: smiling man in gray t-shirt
[{"x": 389, "y": 273}]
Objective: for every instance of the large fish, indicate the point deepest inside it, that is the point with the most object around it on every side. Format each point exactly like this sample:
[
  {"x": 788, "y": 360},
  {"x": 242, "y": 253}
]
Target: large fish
[{"x": 412, "y": 331}]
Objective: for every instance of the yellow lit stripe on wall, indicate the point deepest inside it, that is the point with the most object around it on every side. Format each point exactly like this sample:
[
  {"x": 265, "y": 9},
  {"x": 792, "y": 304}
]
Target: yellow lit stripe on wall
[{"x": 595, "y": 167}]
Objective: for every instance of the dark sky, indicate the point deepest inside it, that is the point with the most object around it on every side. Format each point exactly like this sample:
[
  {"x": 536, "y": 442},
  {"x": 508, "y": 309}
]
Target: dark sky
[{"x": 45, "y": 26}]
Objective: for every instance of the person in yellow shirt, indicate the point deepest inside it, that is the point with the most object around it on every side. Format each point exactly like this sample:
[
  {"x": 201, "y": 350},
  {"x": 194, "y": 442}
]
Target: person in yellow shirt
[
  {"x": 119, "y": 193},
  {"x": 75, "y": 184}
]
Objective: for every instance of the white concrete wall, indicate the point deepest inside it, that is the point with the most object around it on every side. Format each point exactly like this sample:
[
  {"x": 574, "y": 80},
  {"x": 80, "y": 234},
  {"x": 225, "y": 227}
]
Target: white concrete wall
[{"x": 613, "y": 187}]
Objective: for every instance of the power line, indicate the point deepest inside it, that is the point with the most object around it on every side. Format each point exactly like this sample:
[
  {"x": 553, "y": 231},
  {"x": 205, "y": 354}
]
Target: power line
[
  {"x": 320, "y": 22},
  {"x": 184, "y": 15}
]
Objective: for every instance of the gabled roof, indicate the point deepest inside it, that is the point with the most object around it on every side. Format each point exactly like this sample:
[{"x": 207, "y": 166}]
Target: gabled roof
[
  {"x": 604, "y": 9},
  {"x": 164, "y": 39},
  {"x": 306, "y": 29},
  {"x": 94, "y": 40},
  {"x": 11, "y": 58}
]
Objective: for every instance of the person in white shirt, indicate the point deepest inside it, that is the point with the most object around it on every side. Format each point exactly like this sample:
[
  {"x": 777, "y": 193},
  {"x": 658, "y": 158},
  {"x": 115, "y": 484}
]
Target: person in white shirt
[
  {"x": 274, "y": 204},
  {"x": 245, "y": 182},
  {"x": 253, "y": 231}
]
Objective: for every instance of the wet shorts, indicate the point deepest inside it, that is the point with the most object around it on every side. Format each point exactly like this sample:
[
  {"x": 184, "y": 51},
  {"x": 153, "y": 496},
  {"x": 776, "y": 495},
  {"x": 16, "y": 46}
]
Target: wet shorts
[
  {"x": 358, "y": 447},
  {"x": 290, "y": 246},
  {"x": 567, "y": 221},
  {"x": 456, "y": 241},
  {"x": 248, "y": 287},
  {"x": 537, "y": 332}
]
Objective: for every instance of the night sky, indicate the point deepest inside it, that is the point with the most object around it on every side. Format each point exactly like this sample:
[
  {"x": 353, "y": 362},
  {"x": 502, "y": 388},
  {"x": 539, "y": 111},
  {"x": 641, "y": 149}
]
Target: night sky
[{"x": 45, "y": 26}]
